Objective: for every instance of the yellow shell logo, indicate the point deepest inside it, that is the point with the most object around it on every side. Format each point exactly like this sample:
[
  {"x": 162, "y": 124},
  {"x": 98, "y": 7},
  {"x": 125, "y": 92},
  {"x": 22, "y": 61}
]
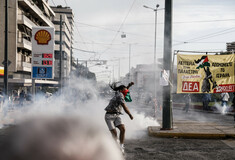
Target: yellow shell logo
[{"x": 42, "y": 37}]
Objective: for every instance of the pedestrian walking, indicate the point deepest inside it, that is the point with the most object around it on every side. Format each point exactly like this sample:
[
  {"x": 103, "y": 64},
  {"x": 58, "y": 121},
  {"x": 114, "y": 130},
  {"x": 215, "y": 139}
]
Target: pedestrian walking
[
  {"x": 21, "y": 97},
  {"x": 1, "y": 100},
  {"x": 148, "y": 98},
  {"x": 114, "y": 110},
  {"x": 224, "y": 97},
  {"x": 233, "y": 105},
  {"x": 187, "y": 98},
  {"x": 205, "y": 101}
]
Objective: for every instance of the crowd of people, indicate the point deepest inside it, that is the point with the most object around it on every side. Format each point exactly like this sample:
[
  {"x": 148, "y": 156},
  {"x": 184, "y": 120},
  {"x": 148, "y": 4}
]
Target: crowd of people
[{"x": 19, "y": 98}]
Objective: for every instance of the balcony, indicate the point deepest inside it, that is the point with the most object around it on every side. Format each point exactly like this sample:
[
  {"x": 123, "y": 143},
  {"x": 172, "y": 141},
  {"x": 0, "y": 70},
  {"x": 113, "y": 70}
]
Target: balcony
[
  {"x": 24, "y": 66},
  {"x": 22, "y": 19},
  {"x": 35, "y": 11},
  {"x": 24, "y": 44}
]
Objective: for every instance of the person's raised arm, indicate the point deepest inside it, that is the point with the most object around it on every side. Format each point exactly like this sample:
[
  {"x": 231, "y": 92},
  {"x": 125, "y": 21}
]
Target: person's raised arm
[
  {"x": 127, "y": 110},
  {"x": 130, "y": 84}
]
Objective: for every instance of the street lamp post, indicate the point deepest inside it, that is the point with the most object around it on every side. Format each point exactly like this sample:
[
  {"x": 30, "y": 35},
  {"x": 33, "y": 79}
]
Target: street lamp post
[
  {"x": 155, "y": 41},
  {"x": 129, "y": 78},
  {"x": 61, "y": 55},
  {"x": 6, "y": 63}
]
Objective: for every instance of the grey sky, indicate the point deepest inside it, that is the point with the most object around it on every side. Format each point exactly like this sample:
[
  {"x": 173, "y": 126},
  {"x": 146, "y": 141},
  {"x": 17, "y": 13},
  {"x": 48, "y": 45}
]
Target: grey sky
[{"x": 98, "y": 23}]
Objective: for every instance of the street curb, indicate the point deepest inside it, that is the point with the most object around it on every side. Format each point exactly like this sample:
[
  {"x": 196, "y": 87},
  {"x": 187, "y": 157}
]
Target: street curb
[{"x": 172, "y": 134}]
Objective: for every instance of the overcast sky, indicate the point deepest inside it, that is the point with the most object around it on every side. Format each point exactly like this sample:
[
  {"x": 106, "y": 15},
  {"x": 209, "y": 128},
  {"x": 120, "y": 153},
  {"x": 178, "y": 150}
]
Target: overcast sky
[{"x": 198, "y": 25}]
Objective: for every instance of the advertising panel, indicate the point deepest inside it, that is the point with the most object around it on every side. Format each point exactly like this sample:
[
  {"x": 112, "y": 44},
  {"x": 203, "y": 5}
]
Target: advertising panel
[
  {"x": 205, "y": 73},
  {"x": 42, "y": 53}
]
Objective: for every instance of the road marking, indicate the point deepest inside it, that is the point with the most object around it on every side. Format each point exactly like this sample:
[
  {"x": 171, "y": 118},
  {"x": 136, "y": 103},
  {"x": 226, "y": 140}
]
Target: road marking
[{"x": 230, "y": 143}]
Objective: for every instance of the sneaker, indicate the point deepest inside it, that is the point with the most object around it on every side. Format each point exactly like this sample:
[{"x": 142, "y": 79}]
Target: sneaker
[
  {"x": 122, "y": 148},
  {"x": 118, "y": 142}
]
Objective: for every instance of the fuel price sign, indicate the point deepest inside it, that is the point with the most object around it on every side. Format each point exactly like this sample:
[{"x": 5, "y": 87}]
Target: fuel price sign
[
  {"x": 43, "y": 53},
  {"x": 47, "y": 55}
]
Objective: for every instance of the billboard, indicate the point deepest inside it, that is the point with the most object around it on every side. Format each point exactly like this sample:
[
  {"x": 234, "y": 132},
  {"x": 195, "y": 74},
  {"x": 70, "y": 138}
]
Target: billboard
[
  {"x": 205, "y": 73},
  {"x": 42, "y": 53}
]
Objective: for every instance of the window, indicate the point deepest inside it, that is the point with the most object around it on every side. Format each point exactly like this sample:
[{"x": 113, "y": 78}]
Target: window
[{"x": 23, "y": 58}]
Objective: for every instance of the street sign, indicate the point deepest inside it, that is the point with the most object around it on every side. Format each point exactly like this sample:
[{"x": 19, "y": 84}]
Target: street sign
[
  {"x": 42, "y": 53},
  {"x": 42, "y": 72},
  {"x": 164, "y": 78},
  {"x": 9, "y": 62}
]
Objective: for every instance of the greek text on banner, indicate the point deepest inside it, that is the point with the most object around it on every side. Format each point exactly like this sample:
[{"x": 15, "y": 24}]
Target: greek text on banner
[{"x": 205, "y": 73}]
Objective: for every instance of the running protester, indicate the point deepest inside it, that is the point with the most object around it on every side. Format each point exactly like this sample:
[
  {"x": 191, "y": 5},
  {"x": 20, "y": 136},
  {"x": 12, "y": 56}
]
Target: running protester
[{"x": 114, "y": 110}]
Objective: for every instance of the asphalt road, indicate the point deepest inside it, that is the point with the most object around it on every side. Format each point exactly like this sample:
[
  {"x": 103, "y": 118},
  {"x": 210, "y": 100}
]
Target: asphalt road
[{"x": 149, "y": 148}]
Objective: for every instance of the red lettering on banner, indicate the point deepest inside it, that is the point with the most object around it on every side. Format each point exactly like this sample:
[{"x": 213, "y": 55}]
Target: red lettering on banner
[
  {"x": 190, "y": 86},
  {"x": 225, "y": 88}
]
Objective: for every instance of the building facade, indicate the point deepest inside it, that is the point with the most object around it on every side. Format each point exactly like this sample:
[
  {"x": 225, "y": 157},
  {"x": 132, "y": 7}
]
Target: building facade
[
  {"x": 231, "y": 47},
  {"x": 67, "y": 40},
  {"x": 22, "y": 16}
]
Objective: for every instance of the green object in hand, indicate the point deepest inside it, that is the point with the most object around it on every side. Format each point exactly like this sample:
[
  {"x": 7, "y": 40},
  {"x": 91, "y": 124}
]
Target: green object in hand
[{"x": 128, "y": 97}]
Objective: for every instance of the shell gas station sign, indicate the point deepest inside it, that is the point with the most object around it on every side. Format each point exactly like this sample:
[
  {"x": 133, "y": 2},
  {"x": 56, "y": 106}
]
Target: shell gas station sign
[
  {"x": 42, "y": 53},
  {"x": 1, "y": 71}
]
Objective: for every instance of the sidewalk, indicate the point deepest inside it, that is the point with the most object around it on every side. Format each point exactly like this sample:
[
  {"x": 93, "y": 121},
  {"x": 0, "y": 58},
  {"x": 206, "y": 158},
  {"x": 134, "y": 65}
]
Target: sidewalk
[
  {"x": 199, "y": 108},
  {"x": 191, "y": 129}
]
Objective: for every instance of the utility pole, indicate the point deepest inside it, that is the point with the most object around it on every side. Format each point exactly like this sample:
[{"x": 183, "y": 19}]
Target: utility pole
[
  {"x": 6, "y": 51},
  {"x": 167, "y": 101},
  {"x": 113, "y": 73},
  {"x": 61, "y": 55},
  {"x": 119, "y": 69},
  {"x": 71, "y": 54},
  {"x": 86, "y": 70},
  {"x": 129, "y": 62}
]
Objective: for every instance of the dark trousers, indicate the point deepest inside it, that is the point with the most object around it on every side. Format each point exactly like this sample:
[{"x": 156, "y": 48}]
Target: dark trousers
[
  {"x": 224, "y": 103},
  {"x": 205, "y": 105}
]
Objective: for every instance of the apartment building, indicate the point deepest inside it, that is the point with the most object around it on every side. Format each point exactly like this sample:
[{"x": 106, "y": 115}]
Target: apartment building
[
  {"x": 67, "y": 40},
  {"x": 231, "y": 47},
  {"x": 22, "y": 16}
]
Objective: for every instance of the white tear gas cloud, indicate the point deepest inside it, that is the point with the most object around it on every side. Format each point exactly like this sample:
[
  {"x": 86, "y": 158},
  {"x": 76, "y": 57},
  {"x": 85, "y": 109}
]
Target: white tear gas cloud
[
  {"x": 222, "y": 109},
  {"x": 79, "y": 100},
  {"x": 137, "y": 127},
  {"x": 60, "y": 138}
]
